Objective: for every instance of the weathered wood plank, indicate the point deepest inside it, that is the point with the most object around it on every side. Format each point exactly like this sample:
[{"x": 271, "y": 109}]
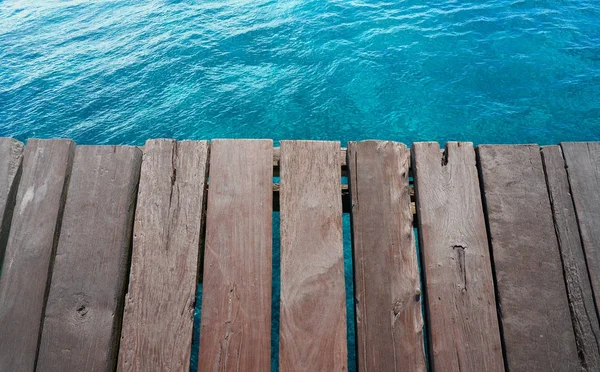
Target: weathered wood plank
[
  {"x": 30, "y": 249},
  {"x": 235, "y": 331},
  {"x": 159, "y": 305},
  {"x": 11, "y": 155},
  {"x": 463, "y": 331},
  {"x": 579, "y": 289},
  {"x": 532, "y": 299},
  {"x": 583, "y": 167},
  {"x": 313, "y": 304},
  {"x": 83, "y": 314},
  {"x": 389, "y": 321},
  {"x": 277, "y": 157}
]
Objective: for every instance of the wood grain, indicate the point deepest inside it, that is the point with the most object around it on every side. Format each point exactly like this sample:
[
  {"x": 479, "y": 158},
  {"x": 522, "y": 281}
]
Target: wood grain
[
  {"x": 463, "y": 325},
  {"x": 277, "y": 161},
  {"x": 83, "y": 314},
  {"x": 536, "y": 322},
  {"x": 583, "y": 167},
  {"x": 235, "y": 332},
  {"x": 389, "y": 321},
  {"x": 11, "y": 155},
  {"x": 30, "y": 249},
  {"x": 579, "y": 289},
  {"x": 159, "y": 306},
  {"x": 313, "y": 304}
]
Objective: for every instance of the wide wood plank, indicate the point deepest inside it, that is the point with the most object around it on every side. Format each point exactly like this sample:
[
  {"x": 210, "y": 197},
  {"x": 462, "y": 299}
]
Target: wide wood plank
[
  {"x": 536, "y": 322},
  {"x": 583, "y": 167},
  {"x": 11, "y": 155},
  {"x": 159, "y": 305},
  {"x": 579, "y": 289},
  {"x": 313, "y": 303},
  {"x": 83, "y": 314},
  {"x": 463, "y": 324},
  {"x": 235, "y": 331},
  {"x": 389, "y": 321},
  {"x": 30, "y": 249}
]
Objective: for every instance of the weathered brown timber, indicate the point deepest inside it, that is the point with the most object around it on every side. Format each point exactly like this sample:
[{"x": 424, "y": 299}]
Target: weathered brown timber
[
  {"x": 235, "y": 333},
  {"x": 463, "y": 330},
  {"x": 389, "y": 321},
  {"x": 579, "y": 289},
  {"x": 11, "y": 155},
  {"x": 83, "y": 314},
  {"x": 34, "y": 229},
  {"x": 536, "y": 322},
  {"x": 159, "y": 305},
  {"x": 313, "y": 305},
  {"x": 583, "y": 167},
  {"x": 540, "y": 248}
]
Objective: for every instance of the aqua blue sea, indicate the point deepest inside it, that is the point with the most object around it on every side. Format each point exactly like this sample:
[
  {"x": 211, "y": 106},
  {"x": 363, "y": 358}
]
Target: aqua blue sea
[{"x": 120, "y": 72}]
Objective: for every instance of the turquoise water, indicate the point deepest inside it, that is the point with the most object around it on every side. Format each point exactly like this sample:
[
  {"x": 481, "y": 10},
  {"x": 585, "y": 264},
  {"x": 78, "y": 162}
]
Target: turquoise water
[{"x": 121, "y": 72}]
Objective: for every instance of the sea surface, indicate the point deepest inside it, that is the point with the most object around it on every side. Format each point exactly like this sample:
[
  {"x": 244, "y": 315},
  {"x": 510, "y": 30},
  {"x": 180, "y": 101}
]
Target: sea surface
[{"x": 121, "y": 72}]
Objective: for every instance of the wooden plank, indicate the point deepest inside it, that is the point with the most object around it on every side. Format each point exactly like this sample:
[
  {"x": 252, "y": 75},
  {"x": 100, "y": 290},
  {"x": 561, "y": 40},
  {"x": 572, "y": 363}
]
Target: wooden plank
[
  {"x": 579, "y": 289},
  {"x": 583, "y": 167},
  {"x": 159, "y": 306},
  {"x": 11, "y": 155},
  {"x": 313, "y": 303},
  {"x": 30, "y": 249},
  {"x": 277, "y": 156},
  {"x": 389, "y": 321},
  {"x": 277, "y": 161},
  {"x": 346, "y": 200},
  {"x": 535, "y": 318},
  {"x": 463, "y": 325},
  {"x": 235, "y": 331},
  {"x": 83, "y": 314}
]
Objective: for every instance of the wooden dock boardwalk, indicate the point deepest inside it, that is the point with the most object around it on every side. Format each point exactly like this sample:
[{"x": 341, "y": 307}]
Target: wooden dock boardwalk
[{"x": 492, "y": 251}]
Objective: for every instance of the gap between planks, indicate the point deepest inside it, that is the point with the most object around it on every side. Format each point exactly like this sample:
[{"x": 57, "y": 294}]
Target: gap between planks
[{"x": 346, "y": 201}]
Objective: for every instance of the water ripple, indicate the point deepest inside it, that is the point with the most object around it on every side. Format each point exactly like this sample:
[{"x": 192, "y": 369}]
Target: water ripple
[{"x": 122, "y": 72}]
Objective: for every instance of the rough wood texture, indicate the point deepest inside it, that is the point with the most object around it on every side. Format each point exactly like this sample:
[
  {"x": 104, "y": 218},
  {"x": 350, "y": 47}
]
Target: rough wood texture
[
  {"x": 579, "y": 289},
  {"x": 11, "y": 155},
  {"x": 536, "y": 322},
  {"x": 463, "y": 324},
  {"x": 159, "y": 305},
  {"x": 583, "y": 167},
  {"x": 389, "y": 321},
  {"x": 277, "y": 160},
  {"x": 235, "y": 332},
  {"x": 30, "y": 249},
  {"x": 277, "y": 156},
  {"x": 313, "y": 304},
  {"x": 83, "y": 314}
]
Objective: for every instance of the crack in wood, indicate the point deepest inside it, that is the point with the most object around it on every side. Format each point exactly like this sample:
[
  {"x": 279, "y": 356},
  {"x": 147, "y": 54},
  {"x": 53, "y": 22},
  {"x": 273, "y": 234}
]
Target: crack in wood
[{"x": 459, "y": 251}]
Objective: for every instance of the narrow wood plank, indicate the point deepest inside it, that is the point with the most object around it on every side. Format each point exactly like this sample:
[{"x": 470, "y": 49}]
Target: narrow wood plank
[
  {"x": 235, "y": 331},
  {"x": 159, "y": 305},
  {"x": 313, "y": 303},
  {"x": 11, "y": 155},
  {"x": 583, "y": 167},
  {"x": 579, "y": 289},
  {"x": 83, "y": 314},
  {"x": 30, "y": 249},
  {"x": 536, "y": 323},
  {"x": 463, "y": 331},
  {"x": 389, "y": 321}
]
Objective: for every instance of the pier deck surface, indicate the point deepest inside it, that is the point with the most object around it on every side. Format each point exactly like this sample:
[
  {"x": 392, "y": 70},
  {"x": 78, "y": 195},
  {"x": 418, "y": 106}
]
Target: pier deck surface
[{"x": 486, "y": 256}]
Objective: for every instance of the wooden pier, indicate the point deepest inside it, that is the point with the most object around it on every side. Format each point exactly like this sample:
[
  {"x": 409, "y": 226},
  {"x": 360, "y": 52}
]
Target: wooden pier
[{"x": 103, "y": 247}]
